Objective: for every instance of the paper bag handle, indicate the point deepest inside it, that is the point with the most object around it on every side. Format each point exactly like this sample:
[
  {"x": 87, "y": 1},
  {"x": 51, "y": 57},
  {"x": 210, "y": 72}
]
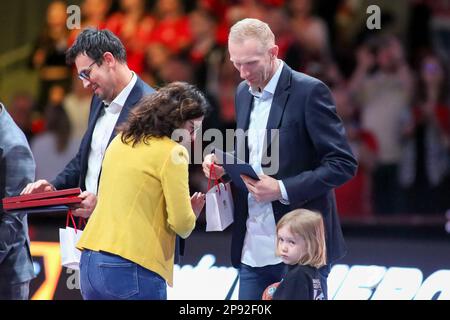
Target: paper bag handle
[
  {"x": 70, "y": 216},
  {"x": 216, "y": 181}
]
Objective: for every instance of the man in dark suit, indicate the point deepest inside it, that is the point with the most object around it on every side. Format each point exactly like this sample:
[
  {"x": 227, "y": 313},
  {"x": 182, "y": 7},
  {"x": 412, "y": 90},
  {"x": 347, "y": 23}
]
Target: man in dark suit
[
  {"x": 100, "y": 59},
  {"x": 311, "y": 158},
  {"x": 17, "y": 168}
]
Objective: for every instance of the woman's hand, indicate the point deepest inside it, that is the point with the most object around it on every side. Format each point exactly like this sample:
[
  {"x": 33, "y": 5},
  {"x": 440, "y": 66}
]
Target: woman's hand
[
  {"x": 198, "y": 202},
  {"x": 209, "y": 160}
]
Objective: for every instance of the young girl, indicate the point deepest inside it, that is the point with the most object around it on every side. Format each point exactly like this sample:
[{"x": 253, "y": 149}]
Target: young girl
[{"x": 301, "y": 245}]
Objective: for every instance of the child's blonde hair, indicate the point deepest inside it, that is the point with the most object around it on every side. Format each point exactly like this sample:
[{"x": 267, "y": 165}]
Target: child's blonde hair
[{"x": 309, "y": 225}]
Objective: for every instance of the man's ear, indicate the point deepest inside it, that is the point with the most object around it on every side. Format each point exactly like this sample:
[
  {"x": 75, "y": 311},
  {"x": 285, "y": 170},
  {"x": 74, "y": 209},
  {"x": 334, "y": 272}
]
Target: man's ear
[
  {"x": 274, "y": 52},
  {"x": 109, "y": 58}
]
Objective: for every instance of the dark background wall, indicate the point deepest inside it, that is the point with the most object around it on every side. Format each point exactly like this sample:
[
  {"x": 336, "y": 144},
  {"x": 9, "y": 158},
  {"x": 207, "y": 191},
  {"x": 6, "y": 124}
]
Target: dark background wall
[{"x": 21, "y": 21}]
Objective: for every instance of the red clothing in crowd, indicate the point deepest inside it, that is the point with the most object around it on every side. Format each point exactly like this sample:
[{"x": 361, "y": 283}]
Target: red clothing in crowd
[
  {"x": 353, "y": 198},
  {"x": 135, "y": 37},
  {"x": 173, "y": 33}
]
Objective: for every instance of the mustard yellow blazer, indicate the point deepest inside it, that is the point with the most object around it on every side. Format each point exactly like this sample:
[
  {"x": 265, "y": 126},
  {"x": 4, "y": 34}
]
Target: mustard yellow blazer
[{"x": 143, "y": 201}]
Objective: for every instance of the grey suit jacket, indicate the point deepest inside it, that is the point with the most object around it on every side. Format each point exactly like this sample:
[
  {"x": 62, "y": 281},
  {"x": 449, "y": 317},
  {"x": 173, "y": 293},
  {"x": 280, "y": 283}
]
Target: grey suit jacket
[{"x": 17, "y": 169}]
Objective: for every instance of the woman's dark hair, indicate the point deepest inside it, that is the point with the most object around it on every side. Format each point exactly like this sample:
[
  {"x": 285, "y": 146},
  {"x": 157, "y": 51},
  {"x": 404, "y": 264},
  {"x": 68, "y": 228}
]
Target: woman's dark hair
[
  {"x": 159, "y": 114},
  {"x": 94, "y": 43}
]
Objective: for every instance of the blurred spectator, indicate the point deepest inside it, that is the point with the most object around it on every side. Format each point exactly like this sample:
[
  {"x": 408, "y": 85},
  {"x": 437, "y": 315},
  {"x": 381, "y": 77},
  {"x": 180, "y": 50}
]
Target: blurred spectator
[
  {"x": 228, "y": 79},
  {"x": 347, "y": 26},
  {"x": 156, "y": 57},
  {"x": 350, "y": 26},
  {"x": 218, "y": 9},
  {"x": 278, "y": 21},
  {"x": 424, "y": 170},
  {"x": 21, "y": 110},
  {"x": 215, "y": 7},
  {"x": 204, "y": 53},
  {"x": 172, "y": 28},
  {"x": 49, "y": 53},
  {"x": 134, "y": 26},
  {"x": 179, "y": 69},
  {"x": 310, "y": 31},
  {"x": 77, "y": 104},
  {"x": 93, "y": 14},
  {"x": 354, "y": 198},
  {"x": 246, "y": 9},
  {"x": 440, "y": 27},
  {"x": 440, "y": 31},
  {"x": 54, "y": 148},
  {"x": 383, "y": 97}
]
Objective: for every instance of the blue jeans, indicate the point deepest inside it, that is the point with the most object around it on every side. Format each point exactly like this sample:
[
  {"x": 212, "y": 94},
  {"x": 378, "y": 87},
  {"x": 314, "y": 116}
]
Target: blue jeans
[
  {"x": 254, "y": 280},
  {"x": 105, "y": 276}
]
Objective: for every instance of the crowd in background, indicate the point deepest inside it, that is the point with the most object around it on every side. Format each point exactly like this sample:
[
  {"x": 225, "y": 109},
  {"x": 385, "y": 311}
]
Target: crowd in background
[{"x": 390, "y": 89}]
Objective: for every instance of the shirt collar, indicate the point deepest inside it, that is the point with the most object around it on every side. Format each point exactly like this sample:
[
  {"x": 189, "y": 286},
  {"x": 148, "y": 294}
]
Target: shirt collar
[
  {"x": 271, "y": 86},
  {"x": 117, "y": 104}
]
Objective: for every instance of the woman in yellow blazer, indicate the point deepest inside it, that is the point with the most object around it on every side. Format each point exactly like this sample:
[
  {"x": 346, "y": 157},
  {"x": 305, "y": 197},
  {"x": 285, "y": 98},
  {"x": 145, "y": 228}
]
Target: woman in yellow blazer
[{"x": 143, "y": 200}]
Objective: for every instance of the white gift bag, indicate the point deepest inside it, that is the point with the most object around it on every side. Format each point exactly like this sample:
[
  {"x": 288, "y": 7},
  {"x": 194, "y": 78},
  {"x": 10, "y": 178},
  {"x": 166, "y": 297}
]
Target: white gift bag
[
  {"x": 68, "y": 238},
  {"x": 219, "y": 207}
]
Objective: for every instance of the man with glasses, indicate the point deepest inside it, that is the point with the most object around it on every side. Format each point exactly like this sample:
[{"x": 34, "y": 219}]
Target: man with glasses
[{"x": 100, "y": 59}]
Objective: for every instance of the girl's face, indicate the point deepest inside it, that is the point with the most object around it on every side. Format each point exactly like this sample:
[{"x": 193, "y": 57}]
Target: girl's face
[{"x": 291, "y": 247}]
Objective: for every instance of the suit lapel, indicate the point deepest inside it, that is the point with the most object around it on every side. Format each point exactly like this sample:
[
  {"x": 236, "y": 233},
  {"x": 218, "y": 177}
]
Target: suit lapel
[
  {"x": 279, "y": 101},
  {"x": 243, "y": 120}
]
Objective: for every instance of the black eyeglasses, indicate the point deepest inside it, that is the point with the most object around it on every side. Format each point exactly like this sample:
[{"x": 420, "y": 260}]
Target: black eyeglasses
[{"x": 84, "y": 74}]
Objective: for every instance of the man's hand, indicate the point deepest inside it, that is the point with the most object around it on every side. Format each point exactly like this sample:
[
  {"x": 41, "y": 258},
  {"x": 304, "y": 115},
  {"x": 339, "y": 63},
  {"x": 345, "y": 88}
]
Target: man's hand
[
  {"x": 37, "y": 187},
  {"x": 87, "y": 205},
  {"x": 266, "y": 189},
  {"x": 198, "y": 202},
  {"x": 207, "y": 162}
]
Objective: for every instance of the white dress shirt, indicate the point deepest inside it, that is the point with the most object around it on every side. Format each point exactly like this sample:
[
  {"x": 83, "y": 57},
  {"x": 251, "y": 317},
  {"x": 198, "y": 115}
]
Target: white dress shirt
[
  {"x": 102, "y": 132},
  {"x": 260, "y": 239}
]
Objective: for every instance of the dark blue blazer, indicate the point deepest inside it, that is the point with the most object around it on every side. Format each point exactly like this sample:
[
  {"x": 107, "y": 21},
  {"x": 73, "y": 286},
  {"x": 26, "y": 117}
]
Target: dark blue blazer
[
  {"x": 74, "y": 174},
  {"x": 314, "y": 155}
]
